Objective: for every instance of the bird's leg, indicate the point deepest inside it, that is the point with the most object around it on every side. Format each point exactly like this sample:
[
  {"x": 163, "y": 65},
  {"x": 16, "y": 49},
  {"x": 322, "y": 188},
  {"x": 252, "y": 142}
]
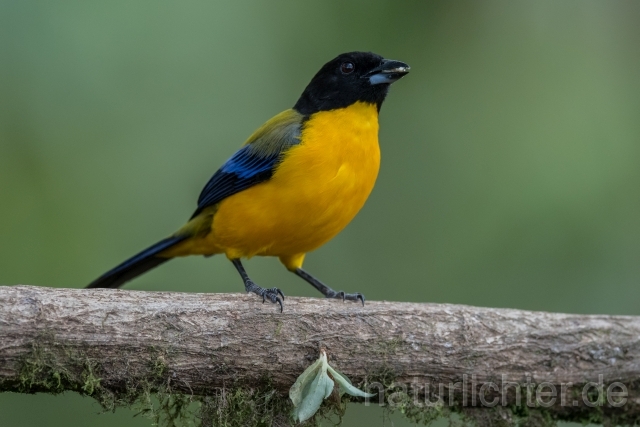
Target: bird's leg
[
  {"x": 327, "y": 291},
  {"x": 272, "y": 294}
]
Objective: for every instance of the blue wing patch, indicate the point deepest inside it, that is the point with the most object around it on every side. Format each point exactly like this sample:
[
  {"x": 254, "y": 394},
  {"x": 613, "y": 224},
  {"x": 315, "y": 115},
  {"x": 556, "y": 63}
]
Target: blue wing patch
[
  {"x": 253, "y": 163},
  {"x": 240, "y": 172}
]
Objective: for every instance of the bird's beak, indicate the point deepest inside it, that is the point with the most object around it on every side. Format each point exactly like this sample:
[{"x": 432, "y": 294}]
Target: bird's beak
[{"x": 387, "y": 72}]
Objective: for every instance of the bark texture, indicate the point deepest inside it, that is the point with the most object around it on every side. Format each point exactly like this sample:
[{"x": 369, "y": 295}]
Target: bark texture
[{"x": 196, "y": 343}]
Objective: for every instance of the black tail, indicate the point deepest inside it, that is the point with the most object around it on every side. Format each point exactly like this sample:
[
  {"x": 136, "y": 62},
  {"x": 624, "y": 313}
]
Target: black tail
[{"x": 136, "y": 265}]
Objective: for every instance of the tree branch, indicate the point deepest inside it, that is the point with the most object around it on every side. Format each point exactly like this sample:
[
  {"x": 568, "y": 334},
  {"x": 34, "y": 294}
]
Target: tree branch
[{"x": 108, "y": 342}]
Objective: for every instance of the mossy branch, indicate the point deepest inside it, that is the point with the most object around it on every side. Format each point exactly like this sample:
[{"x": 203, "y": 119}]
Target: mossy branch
[{"x": 235, "y": 355}]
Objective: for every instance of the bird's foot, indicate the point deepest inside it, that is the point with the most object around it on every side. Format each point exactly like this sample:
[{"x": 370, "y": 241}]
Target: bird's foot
[
  {"x": 356, "y": 296},
  {"x": 327, "y": 291},
  {"x": 271, "y": 294}
]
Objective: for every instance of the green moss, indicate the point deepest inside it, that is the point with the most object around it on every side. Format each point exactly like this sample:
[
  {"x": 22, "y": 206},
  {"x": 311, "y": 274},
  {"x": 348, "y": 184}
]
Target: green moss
[
  {"x": 397, "y": 398},
  {"x": 91, "y": 381},
  {"x": 261, "y": 406},
  {"x": 389, "y": 348},
  {"x": 243, "y": 405},
  {"x": 159, "y": 367},
  {"x": 38, "y": 372},
  {"x": 421, "y": 409},
  {"x": 151, "y": 396}
]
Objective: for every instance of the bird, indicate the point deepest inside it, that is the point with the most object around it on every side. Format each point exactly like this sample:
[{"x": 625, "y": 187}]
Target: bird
[{"x": 296, "y": 182}]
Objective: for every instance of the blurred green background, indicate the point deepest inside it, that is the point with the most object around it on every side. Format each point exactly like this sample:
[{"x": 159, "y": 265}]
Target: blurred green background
[{"x": 511, "y": 153}]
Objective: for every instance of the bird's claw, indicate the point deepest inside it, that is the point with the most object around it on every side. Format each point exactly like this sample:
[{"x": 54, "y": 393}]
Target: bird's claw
[
  {"x": 272, "y": 294},
  {"x": 356, "y": 296},
  {"x": 278, "y": 291}
]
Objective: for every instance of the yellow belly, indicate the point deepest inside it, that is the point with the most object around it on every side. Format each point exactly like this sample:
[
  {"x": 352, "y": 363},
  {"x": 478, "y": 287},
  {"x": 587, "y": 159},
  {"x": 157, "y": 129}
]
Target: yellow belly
[{"x": 316, "y": 191}]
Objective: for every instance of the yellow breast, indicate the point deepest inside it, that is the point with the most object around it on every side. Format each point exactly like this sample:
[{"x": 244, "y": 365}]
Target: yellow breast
[{"x": 315, "y": 192}]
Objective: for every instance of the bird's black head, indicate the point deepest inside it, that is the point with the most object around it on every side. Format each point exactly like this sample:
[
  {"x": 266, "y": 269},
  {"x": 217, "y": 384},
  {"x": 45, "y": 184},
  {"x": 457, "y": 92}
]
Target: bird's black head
[{"x": 350, "y": 77}]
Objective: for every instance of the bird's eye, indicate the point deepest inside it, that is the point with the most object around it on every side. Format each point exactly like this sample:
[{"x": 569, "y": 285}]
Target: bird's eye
[{"x": 347, "y": 67}]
